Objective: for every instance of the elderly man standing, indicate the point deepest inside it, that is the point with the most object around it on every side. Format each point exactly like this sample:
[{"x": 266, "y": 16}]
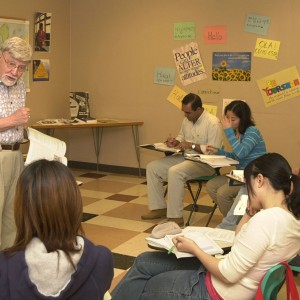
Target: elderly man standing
[
  {"x": 15, "y": 55},
  {"x": 198, "y": 128}
]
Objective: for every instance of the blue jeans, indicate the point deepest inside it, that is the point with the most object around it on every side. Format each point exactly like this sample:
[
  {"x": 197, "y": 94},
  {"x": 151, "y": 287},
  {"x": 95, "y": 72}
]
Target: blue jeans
[
  {"x": 231, "y": 220},
  {"x": 159, "y": 276}
]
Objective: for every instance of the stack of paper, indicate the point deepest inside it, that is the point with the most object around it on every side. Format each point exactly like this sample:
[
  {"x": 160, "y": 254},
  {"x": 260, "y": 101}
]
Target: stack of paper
[
  {"x": 43, "y": 146},
  {"x": 160, "y": 147}
]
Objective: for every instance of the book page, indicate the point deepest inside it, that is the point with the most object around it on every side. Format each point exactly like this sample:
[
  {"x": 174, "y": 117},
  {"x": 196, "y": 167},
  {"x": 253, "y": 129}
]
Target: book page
[
  {"x": 164, "y": 147},
  {"x": 43, "y": 146},
  {"x": 240, "y": 208}
]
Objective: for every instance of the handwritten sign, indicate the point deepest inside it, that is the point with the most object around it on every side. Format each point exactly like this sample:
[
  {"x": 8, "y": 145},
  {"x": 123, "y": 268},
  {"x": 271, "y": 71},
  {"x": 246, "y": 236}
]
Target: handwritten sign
[
  {"x": 215, "y": 35},
  {"x": 189, "y": 64},
  {"x": 184, "y": 31},
  {"x": 257, "y": 24},
  {"x": 176, "y": 96},
  {"x": 267, "y": 49},
  {"x": 164, "y": 76},
  {"x": 280, "y": 86}
]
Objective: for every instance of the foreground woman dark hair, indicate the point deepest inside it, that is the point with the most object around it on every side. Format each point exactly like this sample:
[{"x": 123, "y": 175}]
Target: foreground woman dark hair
[{"x": 49, "y": 257}]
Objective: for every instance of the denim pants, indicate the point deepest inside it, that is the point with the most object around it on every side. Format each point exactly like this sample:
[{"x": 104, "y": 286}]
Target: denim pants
[{"x": 159, "y": 276}]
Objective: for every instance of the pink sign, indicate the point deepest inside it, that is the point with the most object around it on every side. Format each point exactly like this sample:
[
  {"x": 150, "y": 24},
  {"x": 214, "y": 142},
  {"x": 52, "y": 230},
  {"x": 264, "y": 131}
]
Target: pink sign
[{"x": 215, "y": 34}]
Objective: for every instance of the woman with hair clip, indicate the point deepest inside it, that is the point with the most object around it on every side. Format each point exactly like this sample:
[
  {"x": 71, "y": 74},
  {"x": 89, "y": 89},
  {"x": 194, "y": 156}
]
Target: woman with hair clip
[
  {"x": 268, "y": 234},
  {"x": 50, "y": 258},
  {"x": 247, "y": 144}
]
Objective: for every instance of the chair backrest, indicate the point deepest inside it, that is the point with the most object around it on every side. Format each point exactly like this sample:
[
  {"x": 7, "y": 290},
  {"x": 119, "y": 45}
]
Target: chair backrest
[{"x": 272, "y": 282}]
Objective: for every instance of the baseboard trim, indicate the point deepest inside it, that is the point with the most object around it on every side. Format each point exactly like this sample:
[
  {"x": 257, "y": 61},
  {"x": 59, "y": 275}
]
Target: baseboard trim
[{"x": 105, "y": 168}]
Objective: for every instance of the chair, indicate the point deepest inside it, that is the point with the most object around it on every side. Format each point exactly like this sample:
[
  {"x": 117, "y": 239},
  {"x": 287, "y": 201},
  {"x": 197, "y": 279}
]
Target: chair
[
  {"x": 199, "y": 180},
  {"x": 274, "y": 280}
]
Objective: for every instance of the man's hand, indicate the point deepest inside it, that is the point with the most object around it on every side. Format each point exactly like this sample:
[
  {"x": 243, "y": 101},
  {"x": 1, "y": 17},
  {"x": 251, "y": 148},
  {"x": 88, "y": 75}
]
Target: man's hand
[{"x": 20, "y": 116}]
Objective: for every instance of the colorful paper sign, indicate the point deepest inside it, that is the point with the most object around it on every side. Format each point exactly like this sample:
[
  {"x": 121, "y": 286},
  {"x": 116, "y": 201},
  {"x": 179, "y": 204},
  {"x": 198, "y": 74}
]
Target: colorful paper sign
[
  {"x": 257, "y": 24},
  {"x": 267, "y": 49},
  {"x": 164, "y": 76},
  {"x": 215, "y": 35},
  {"x": 176, "y": 96},
  {"x": 184, "y": 31},
  {"x": 280, "y": 86}
]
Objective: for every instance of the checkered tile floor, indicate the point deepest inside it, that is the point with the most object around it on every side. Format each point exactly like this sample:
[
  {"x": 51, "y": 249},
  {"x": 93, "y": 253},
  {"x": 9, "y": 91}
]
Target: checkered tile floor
[{"x": 113, "y": 205}]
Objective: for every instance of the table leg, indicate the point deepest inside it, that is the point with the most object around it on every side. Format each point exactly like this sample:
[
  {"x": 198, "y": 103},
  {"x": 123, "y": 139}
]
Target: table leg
[
  {"x": 97, "y": 138},
  {"x": 136, "y": 139}
]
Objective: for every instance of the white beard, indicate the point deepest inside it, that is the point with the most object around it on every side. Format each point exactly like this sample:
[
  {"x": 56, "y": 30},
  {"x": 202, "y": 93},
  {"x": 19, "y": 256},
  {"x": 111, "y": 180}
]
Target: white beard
[{"x": 8, "y": 82}]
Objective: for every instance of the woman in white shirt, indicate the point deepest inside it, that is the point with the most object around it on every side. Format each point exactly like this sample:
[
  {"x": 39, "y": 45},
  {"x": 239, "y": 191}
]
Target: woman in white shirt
[{"x": 268, "y": 233}]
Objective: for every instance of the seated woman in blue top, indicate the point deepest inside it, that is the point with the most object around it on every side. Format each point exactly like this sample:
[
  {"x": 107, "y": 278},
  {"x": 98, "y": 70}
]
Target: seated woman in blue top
[
  {"x": 268, "y": 234},
  {"x": 247, "y": 144},
  {"x": 50, "y": 259}
]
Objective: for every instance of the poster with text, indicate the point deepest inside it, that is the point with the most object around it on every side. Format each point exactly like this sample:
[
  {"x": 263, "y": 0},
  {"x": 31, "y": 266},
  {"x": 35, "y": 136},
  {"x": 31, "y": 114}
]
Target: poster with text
[
  {"x": 231, "y": 66},
  {"x": 280, "y": 86},
  {"x": 189, "y": 64}
]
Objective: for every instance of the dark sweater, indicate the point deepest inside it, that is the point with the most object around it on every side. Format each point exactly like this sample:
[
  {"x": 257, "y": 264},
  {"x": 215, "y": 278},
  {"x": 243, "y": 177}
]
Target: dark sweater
[{"x": 90, "y": 281}]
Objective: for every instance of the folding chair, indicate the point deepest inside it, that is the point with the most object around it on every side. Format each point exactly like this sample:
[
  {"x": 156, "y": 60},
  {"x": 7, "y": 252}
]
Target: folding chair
[{"x": 200, "y": 181}]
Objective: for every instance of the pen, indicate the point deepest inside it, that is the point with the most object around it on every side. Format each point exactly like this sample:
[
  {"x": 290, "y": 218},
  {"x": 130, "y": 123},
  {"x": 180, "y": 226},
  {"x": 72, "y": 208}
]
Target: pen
[{"x": 171, "y": 249}]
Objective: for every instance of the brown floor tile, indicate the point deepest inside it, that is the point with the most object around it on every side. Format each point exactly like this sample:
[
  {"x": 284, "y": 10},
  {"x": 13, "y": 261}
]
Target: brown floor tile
[
  {"x": 121, "y": 197},
  {"x": 107, "y": 186}
]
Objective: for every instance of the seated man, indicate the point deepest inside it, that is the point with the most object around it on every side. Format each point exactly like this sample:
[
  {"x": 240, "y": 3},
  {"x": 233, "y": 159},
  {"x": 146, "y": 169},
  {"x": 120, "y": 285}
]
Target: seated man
[{"x": 198, "y": 128}]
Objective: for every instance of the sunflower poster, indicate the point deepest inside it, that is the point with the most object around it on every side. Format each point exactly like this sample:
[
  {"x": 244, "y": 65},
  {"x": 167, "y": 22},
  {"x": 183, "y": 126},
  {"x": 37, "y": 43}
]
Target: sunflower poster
[
  {"x": 189, "y": 63},
  {"x": 231, "y": 66}
]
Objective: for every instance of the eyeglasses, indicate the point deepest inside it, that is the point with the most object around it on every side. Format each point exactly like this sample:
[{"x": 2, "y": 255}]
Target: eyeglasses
[{"x": 12, "y": 65}]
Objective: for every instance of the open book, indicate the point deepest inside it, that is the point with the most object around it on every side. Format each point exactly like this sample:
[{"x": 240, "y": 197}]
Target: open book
[
  {"x": 214, "y": 161},
  {"x": 210, "y": 240},
  {"x": 236, "y": 177},
  {"x": 43, "y": 146},
  {"x": 160, "y": 147}
]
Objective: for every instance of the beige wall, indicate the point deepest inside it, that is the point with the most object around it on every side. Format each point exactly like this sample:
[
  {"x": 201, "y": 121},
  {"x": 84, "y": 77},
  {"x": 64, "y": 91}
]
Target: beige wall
[
  {"x": 111, "y": 48},
  {"x": 116, "y": 45}
]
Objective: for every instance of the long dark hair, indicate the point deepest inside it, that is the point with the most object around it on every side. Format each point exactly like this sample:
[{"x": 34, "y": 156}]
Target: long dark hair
[
  {"x": 276, "y": 168},
  {"x": 48, "y": 205},
  {"x": 242, "y": 110}
]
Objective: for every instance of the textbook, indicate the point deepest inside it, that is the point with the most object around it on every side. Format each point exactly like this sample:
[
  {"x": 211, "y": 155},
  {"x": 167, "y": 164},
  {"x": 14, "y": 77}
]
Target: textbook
[
  {"x": 43, "y": 146},
  {"x": 160, "y": 147},
  {"x": 214, "y": 161},
  {"x": 236, "y": 176},
  {"x": 210, "y": 240}
]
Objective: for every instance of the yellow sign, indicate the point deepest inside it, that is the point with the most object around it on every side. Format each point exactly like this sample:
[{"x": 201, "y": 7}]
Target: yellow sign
[
  {"x": 212, "y": 109},
  {"x": 280, "y": 86},
  {"x": 267, "y": 48},
  {"x": 176, "y": 96}
]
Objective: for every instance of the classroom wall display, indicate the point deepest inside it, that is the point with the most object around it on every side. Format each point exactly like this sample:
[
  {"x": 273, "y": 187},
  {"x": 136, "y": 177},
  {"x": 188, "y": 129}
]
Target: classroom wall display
[
  {"x": 184, "y": 31},
  {"x": 267, "y": 48},
  {"x": 231, "y": 66},
  {"x": 42, "y": 31},
  {"x": 164, "y": 76},
  {"x": 41, "y": 70},
  {"x": 15, "y": 27},
  {"x": 257, "y": 24},
  {"x": 280, "y": 86},
  {"x": 215, "y": 34},
  {"x": 189, "y": 63}
]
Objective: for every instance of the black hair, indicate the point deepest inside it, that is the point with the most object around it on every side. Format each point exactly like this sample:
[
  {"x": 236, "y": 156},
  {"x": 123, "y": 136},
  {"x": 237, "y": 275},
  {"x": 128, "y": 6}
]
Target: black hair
[
  {"x": 276, "y": 168},
  {"x": 194, "y": 99},
  {"x": 242, "y": 110}
]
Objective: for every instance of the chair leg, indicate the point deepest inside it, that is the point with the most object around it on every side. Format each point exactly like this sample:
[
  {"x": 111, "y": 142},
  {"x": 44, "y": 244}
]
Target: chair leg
[
  {"x": 195, "y": 199},
  {"x": 211, "y": 214}
]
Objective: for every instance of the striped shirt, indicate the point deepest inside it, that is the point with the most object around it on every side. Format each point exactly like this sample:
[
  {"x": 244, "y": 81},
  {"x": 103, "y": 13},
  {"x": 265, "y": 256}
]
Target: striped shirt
[{"x": 250, "y": 146}]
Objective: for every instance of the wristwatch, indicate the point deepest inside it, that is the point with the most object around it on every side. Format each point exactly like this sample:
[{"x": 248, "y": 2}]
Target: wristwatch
[{"x": 193, "y": 146}]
